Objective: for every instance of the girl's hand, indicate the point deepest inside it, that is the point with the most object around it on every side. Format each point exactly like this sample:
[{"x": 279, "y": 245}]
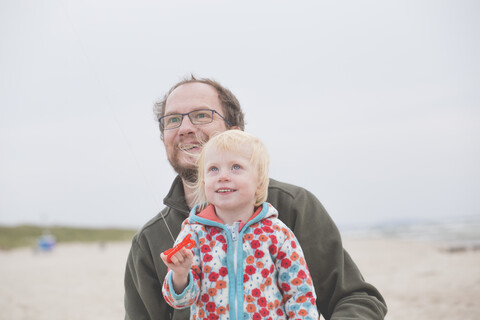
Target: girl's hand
[{"x": 181, "y": 263}]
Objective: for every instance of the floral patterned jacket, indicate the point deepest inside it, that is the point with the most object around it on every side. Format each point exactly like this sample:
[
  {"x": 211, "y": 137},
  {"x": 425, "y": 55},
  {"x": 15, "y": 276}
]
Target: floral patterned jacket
[{"x": 254, "y": 270}]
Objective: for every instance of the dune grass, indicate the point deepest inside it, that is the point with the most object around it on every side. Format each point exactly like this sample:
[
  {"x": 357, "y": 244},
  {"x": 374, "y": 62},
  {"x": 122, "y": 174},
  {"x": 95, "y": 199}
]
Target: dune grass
[{"x": 27, "y": 235}]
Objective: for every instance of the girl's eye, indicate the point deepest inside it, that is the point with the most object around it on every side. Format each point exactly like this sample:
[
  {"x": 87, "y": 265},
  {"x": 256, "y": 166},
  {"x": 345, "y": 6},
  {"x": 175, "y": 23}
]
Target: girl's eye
[
  {"x": 236, "y": 167},
  {"x": 213, "y": 169}
]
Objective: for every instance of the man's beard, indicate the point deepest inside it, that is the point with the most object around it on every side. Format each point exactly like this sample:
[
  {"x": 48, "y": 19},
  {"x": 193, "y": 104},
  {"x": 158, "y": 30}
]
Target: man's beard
[{"x": 188, "y": 173}]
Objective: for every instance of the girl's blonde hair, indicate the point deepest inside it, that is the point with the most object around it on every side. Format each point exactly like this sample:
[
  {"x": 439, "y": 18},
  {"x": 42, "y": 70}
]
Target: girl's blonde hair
[{"x": 236, "y": 141}]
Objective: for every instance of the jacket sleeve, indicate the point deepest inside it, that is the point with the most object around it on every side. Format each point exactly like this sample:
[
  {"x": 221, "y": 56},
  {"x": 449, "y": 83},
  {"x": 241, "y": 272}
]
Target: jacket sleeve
[
  {"x": 341, "y": 290},
  {"x": 191, "y": 293},
  {"x": 185, "y": 299},
  {"x": 295, "y": 280}
]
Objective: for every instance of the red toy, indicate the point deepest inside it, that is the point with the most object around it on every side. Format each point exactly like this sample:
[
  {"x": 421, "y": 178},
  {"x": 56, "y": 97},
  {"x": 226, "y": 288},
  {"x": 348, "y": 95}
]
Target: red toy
[{"x": 187, "y": 242}]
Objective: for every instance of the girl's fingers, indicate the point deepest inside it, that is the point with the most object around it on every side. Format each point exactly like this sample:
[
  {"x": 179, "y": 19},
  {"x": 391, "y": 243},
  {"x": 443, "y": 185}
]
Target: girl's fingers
[
  {"x": 174, "y": 259},
  {"x": 179, "y": 257},
  {"x": 163, "y": 257},
  {"x": 188, "y": 254}
]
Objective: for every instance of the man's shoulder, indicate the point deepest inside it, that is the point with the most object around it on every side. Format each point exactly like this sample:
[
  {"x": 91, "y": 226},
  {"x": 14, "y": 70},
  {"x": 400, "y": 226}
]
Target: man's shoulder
[
  {"x": 291, "y": 200},
  {"x": 154, "y": 228},
  {"x": 147, "y": 227},
  {"x": 283, "y": 187},
  {"x": 160, "y": 226}
]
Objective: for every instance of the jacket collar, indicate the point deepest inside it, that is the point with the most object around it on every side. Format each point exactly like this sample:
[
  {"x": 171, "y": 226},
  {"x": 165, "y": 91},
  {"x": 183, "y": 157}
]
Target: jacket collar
[
  {"x": 208, "y": 216},
  {"x": 175, "y": 198},
  {"x": 209, "y": 213}
]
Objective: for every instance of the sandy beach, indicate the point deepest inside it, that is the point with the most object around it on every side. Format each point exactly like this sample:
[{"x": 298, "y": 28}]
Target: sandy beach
[
  {"x": 420, "y": 280},
  {"x": 85, "y": 281}
]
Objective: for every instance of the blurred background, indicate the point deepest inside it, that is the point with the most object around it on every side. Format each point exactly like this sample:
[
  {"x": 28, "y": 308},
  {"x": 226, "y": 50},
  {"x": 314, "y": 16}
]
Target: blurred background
[{"x": 373, "y": 106}]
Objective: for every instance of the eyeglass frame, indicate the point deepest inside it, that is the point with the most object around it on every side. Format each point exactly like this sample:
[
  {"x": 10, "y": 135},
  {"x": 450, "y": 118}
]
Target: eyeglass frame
[{"x": 188, "y": 114}]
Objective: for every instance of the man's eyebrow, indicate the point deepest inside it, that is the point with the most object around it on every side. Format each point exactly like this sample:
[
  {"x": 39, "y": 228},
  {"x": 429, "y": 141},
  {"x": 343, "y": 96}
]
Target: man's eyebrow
[
  {"x": 171, "y": 113},
  {"x": 194, "y": 109}
]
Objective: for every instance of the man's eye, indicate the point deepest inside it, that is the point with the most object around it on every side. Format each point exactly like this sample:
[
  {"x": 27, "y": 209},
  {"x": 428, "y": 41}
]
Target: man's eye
[
  {"x": 174, "y": 119},
  {"x": 202, "y": 116}
]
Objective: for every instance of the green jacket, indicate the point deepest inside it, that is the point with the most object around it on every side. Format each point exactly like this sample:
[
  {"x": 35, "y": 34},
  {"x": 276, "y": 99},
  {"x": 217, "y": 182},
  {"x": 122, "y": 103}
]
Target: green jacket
[{"x": 341, "y": 291}]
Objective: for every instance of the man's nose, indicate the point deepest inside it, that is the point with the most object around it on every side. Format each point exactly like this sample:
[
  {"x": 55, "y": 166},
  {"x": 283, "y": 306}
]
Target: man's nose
[{"x": 186, "y": 126}]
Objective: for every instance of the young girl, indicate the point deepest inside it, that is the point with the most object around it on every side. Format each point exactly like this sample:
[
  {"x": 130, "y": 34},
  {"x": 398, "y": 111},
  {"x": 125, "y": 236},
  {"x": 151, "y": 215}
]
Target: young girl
[{"x": 246, "y": 263}]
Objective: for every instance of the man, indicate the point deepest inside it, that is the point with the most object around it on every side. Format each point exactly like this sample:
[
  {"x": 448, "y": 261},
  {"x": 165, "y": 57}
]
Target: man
[{"x": 191, "y": 112}]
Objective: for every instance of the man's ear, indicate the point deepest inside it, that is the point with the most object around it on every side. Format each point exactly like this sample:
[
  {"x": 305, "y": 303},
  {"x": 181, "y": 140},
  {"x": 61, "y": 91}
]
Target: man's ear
[{"x": 235, "y": 127}]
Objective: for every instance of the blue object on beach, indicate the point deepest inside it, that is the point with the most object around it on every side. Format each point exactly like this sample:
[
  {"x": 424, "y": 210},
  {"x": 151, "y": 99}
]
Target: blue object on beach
[{"x": 46, "y": 242}]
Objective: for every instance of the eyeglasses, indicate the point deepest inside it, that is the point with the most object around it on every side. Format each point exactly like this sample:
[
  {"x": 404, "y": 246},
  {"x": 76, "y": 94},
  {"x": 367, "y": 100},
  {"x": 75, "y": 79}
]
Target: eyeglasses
[{"x": 197, "y": 117}]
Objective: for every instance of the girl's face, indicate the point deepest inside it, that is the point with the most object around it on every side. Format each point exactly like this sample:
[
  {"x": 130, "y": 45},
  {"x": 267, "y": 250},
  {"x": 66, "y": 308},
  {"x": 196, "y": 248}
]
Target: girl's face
[{"x": 230, "y": 180}]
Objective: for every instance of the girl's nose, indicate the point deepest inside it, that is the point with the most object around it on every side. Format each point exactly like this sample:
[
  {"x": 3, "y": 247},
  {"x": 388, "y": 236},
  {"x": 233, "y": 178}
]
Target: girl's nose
[{"x": 224, "y": 175}]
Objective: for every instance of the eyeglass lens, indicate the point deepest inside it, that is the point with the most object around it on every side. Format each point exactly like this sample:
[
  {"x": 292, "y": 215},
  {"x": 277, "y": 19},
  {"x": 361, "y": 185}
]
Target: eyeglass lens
[{"x": 196, "y": 117}]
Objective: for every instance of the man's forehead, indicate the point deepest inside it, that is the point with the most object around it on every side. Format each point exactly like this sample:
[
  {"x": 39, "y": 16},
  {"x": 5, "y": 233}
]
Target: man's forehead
[
  {"x": 191, "y": 96},
  {"x": 192, "y": 91}
]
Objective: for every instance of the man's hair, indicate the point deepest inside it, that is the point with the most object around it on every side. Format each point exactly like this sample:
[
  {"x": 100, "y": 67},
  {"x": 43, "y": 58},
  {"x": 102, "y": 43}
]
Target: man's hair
[
  {"x": 238, "y": 142},
  {"x": 230, "y": 105}
]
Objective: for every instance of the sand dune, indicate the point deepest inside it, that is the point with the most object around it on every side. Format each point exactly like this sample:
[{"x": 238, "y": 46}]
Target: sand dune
[{"x": 85, "y": 281}]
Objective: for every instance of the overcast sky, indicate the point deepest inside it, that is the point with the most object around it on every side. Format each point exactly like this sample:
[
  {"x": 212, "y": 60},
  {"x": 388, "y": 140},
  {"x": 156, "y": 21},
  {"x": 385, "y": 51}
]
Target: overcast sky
[{"x": 374, "y": 106}]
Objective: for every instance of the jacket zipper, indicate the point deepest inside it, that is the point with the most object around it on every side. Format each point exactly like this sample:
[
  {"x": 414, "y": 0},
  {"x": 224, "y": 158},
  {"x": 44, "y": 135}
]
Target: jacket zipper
[{"x": 233, "y": 229}]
